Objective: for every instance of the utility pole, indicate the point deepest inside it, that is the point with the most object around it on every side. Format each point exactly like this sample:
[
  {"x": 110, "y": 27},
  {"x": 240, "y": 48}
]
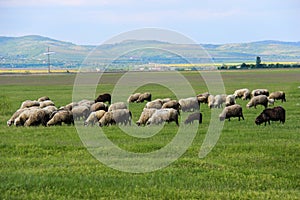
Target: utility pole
[{"x": 48, "y": 54}]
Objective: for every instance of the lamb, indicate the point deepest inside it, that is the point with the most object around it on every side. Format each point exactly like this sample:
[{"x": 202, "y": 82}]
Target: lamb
[
  {"x": 29, "y": 103},
  {"x": 119, "y": 116},
  {"x": 164, "y": 115},
  {"x": 231, "y": 111},
  {"x": 46, "y": 103},
  {"x": 242, "y": 93},
  {"x": 257, "y": 92},
  {"x": 193, "y": 117},
  {"x": 62, "y": 116},
  {"x": 203, "y": 98},
  {"x": 172, "y": 104},
  {"x": 80, "y": 112},
  {"x": 94, "y": 117},
  {"x": 39, "y": 116},
  {"x": 98, "y": 106},
  {"x": 219, "y": 100},
  {"x": 44, "y": 98},
  {"x": 271, "y": 114},
  {"x": 117, "y": 105},
  {"x": 145, "y": 96},
  {"x": 145, "y": 116},
  {"x": 259, "y": 100},
  {"x": 278, "y": 95},
  {"x": 157, "y": 104},
  {"x": 103, "y": 98},
  {"x": 230, "y": 100},
  {"x": 133, "y": 98},
  {"x": 189, "y": 104}
]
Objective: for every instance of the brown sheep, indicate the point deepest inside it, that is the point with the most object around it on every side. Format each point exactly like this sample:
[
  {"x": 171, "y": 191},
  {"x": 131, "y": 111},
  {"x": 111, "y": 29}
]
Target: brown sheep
[
  {"x": 107, "y": 119},
  {"x": 61, "y": 116},
  {"x": 194, "y": 117},
  {"x": 271, "y": 114},
  {"x": 133, "y": 98},
  {"x": 278, "y": 95},
  {"x": 44, "y": 98},
  {"x": 232, "y": 111},
  {"x": 257, "y": 92},
  {"x": 98, "y": 106},
  {"x": 103, "y": 98},
  {"x": 145, "y": 96},
  {"x": 157, "y": 104},
  {"x": 172, "y": 104}
]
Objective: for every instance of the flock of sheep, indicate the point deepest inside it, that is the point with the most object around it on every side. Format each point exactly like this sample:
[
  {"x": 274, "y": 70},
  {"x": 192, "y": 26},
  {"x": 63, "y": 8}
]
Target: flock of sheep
[{"x": 158, "y": 111}]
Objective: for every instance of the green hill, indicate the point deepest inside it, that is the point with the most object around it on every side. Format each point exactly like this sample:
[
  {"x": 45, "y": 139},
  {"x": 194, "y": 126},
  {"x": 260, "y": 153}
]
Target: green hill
[{"x": 29, "y": 51}]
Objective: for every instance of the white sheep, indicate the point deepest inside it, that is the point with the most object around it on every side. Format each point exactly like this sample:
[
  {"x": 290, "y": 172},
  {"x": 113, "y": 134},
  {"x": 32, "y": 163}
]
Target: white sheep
[
  {"x": 145, "y": 116},
  {"x": 219, "y": 100},
  {"x": 157, "y": 104},
  {"x": 259, "y": 100},
  {"x": 257, "y": 92},
  {"x": 94, "y": 117},
  {"x": 278, "y": 95},
  {"x": 189, "y": 104},
  {"x": 231, "y": 111},
  {"x": 242, "y": 93},
  {"x": 29, "y": 103},
  {"x": 117, "y": 105},
  {"x": 164, "y": 115},
  {"x": 230, "y": 100}
]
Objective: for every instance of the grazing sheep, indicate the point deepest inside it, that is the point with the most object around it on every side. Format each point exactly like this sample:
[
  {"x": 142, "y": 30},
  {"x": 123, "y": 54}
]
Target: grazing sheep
[
  {"x": 80, "y": 112},
  {"x": 107, "y": 119},
  {"x": 271, "y": 114},
  {"x": 133, "y": 98},
  {"x": 29, "y": 103},
  {"x": 194, "y": 117},
  {"x": 203, "y": 98},
  {"x": 21, "y": 119},
  {"x": 120, "y": 116},
  {"x": 242, "y": 93},
  {"x": 98, "y": 106},
  {"x": 50, "y": 109},
  {"x": 157, "y": 104},
  {"x": 85, "y": 102},
  {"x": 210, "y": 100},
  {"x": 46, "y": 103},
  {"x": 94, "y": 117},
  {"x": 39, "y": 116},
  {"x": 232, "y": 111},
  {"x": 259, "y": 100},
  {"x": 164, "y": 115},
  {"x": 165, "y": 100},
  {"x": 145, "y": 116},
  {"x": 14, "y": 116},
  {"x": 230, "y": 100},
  {"x": 145, "y": 96},
  {"x": 69, "y": 106},
  {"x": 257, "y": 92},
  {"x": 61, "y": 116},
  {"x": 117, "y": 105},
  {"x": 219, "y": 100},
  {"x": 278, "y": 95},
  {"x": 172, "y": 104},
  {"x": 44, "y": 98},
  {"x": 189, "y": 104},
  {"x": 103, "y": 98}
]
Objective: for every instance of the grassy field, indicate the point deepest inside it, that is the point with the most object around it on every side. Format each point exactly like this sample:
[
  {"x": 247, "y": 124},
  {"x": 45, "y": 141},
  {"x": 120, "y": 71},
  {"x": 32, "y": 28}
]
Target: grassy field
[{"x": 248, "y": 162}]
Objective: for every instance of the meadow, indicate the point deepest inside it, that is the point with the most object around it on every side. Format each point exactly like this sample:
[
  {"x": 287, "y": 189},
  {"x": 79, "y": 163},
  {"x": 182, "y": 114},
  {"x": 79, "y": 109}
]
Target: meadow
[{"x": 248, "y": 161}]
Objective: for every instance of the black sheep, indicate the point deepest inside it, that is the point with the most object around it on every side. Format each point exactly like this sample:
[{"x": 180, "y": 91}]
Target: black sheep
[
  {"x": 103, "y": 98},
  {"x": 271, "y": 114}
]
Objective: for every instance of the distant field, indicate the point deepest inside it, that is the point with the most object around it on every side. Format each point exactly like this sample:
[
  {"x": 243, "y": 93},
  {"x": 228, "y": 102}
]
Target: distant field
[{"x": 248, "y": 162}]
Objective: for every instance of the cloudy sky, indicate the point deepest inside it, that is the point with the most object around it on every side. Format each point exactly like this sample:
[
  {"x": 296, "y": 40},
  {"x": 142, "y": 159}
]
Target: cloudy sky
[{"x": 205, "y": 21}]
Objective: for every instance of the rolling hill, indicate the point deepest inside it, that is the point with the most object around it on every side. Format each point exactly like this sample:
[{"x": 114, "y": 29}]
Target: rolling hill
[{"x": 28, "y": 51}]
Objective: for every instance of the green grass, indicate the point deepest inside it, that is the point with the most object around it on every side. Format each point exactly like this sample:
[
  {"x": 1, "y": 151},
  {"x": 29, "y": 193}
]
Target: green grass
[{"x": 248, "y": 162}]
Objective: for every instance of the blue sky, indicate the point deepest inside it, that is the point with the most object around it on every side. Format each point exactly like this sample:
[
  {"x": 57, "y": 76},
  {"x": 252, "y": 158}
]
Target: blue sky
[{"x": 205, "y": 21}]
